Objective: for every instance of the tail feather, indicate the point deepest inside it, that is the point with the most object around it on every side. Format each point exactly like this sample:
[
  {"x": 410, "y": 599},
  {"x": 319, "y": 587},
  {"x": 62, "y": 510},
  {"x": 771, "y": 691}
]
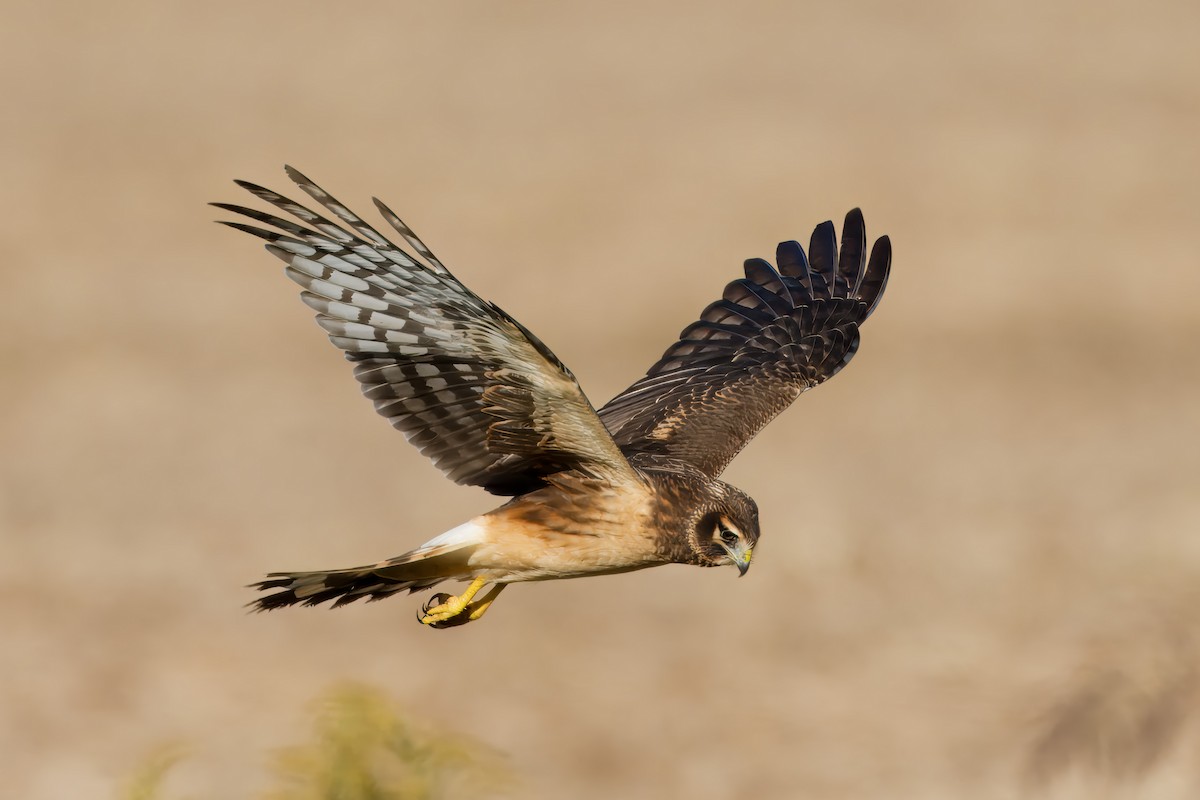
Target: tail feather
[{"x": 412, "y": 572}]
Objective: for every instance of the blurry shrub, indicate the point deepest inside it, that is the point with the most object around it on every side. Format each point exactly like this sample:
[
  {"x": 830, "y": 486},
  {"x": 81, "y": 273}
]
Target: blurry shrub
[
  {"x": 364, "y": 748},
  {"x": 146, "y": 783}
]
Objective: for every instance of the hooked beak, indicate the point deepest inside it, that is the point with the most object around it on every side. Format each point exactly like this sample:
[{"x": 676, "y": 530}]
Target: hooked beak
[{"x": 741, "y": 556}]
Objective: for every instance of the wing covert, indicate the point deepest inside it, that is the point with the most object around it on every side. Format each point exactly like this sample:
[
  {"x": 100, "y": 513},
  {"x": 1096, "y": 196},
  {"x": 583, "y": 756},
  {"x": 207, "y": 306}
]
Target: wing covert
[{"x": 773, "y": 334}]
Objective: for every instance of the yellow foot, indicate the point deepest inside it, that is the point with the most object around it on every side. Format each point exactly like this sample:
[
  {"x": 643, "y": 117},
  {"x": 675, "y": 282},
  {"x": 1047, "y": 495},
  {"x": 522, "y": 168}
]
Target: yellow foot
[
  {"x": 471, "y": 612},
  {"x": 446, "y": 611}
]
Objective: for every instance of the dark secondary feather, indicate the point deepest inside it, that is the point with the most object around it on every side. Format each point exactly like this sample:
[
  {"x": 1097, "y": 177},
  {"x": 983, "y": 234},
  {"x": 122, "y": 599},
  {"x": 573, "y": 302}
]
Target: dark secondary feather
[
  {"x": 772, "y": 335},
  {"x": 468, "y": 385}
]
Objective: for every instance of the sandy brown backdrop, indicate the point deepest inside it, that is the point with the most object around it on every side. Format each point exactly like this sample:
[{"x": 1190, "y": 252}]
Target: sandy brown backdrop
[{"x": 981, "y": 542}]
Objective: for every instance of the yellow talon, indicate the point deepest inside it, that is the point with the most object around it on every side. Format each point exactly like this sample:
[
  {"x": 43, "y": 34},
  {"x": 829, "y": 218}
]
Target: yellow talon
[{"x": 460, "y": 610}]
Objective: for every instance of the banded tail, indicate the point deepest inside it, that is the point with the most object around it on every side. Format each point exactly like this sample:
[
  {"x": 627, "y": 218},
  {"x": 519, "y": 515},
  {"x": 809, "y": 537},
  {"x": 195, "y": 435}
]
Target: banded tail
[{"x": 442, "y": 558}]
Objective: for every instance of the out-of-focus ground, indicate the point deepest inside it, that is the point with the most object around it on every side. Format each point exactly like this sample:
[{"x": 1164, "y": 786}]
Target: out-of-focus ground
[{"x": 981, "y": 542}]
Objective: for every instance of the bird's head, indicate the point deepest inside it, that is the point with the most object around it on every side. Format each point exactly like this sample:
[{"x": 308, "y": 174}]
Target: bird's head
[{"x": 728, "y": 530}]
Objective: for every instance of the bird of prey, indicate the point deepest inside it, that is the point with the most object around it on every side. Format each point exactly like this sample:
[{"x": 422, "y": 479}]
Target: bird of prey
[{"x": 630, "y": 486}]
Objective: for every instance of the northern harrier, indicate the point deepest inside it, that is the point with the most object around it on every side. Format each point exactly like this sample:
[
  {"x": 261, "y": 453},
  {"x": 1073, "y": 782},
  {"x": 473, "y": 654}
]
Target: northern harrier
[{"x": 633, "y": 485}]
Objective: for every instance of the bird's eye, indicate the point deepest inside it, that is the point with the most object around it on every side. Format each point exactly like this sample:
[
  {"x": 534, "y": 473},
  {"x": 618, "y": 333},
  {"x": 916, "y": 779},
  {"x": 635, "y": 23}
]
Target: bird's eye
[{"x": 728, "y": 537}]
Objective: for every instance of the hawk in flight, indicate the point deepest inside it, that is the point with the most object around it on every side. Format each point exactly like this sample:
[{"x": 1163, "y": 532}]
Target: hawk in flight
[{"x": 630, "y": 486}]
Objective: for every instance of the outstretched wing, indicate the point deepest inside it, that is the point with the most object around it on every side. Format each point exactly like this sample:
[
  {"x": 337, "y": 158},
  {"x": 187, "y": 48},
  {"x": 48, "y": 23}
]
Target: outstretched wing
[
  {"x": 467, "y": 384},
  {"x": 773, "y": 334}
]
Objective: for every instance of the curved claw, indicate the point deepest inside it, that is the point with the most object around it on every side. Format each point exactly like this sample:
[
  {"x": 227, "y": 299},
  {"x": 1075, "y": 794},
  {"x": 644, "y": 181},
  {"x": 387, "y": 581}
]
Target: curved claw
[{"x": 434, "y": 601}]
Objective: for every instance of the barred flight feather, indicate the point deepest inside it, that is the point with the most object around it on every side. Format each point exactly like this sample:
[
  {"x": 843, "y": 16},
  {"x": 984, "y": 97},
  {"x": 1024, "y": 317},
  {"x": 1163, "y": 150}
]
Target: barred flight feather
[
  {"x": 473, "y": 389},
  {"x": 772, "y": 335}
]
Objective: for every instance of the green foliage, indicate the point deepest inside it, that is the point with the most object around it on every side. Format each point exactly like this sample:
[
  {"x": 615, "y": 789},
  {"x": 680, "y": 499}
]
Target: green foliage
[{"x": 364, "y": 748}]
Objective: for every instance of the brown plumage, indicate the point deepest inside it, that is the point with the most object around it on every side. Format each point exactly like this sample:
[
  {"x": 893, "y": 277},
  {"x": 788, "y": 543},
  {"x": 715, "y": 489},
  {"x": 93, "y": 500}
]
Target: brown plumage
[{"x": 631, "y": 486}]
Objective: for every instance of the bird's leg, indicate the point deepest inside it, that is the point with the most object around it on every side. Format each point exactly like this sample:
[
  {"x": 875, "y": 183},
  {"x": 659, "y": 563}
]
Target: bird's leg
[
  {"x": 478, "y": 608},
  {"x": 449, "y": 606},
  {"x": 472, "y": 611}
]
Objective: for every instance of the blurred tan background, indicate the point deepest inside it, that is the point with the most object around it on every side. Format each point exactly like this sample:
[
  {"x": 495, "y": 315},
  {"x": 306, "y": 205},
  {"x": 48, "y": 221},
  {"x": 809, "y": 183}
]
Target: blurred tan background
[{"x": 981, "y": 542}]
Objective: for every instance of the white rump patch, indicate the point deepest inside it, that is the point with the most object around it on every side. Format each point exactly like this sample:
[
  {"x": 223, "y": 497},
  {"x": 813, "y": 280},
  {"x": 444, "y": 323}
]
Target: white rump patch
[{"x": 468, "y": 533}]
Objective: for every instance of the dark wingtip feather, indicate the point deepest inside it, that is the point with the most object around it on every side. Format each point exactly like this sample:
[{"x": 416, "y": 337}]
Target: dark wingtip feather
[
  {"x": 308, "y": 185},
  {"x": 253, "y": 188},
  {"x": 853, "y": 254},
  {"x": 822, "y": 259},
  {"x": 876, "y": 276},
  {"x": 793, "y": 263},
  {"x": 270, "y": 236},
  {"x": 773, "y": 291}
]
